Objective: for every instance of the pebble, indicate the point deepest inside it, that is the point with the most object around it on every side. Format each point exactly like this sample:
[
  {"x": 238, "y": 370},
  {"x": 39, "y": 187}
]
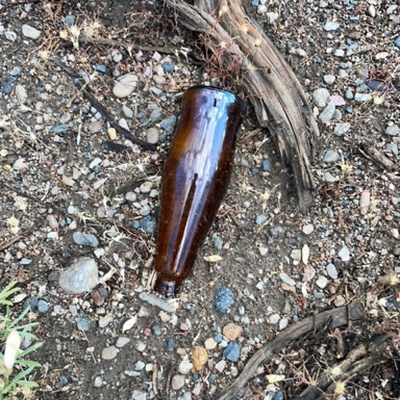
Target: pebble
[
  {"x": 167, "y": 306},
  {"x": 185, "y": 367},
  {"x": 145, "y": 210},
  {"x": 122, "y": 341},
  {"x": 168, "y": 67},
  {"x": 156, "y": 330},
  {"x": 80, "y": 277},
  {"x": 125, "y": 85},
  {"x": 331, "y": 26},
  {"x": 232, "y": 352},
  {"x": 232, "y": 331},
  {"x": 112, "y": 133},
  {"x": 131, "y": 196},
  {"x": 152, "y": 135},
  {"x": 109, "y": 353},
  {"x": 329, "y": 79},
  {"x": 393, "y": 130},
  {"x": 138, "y": 395},
  {"x": 327, "y": 113},
  {"x": 95, "y": 126},
  {"x": 224, "y": 300},
  {"x": 21, "y": 94},
  {"x": 308, "y": 229},
  {"x": 341, "y": 128},
  {"x": 168, "y": 124},
  {"x": 42, "y": 306},
  {"x": 392, "y": 148},
  {"x": 397, "y": 42},
  {"x": 321, "y": 97},
  {"x": 295, "y": 254},
  {"x": 266, "y": 166},
  {"x": 283, "y": 323},
  {"x": 15, "y": 71},
  {"x": 69, "y": 20},
  {"x": 362, "y": 97},
  {"x": 377, "y": 86},
  {"x": 339, "y": 301},
  {"x": 260, "y": 219},
  {"x": 344, "y": 253},
  {"x": 210, "y": 344},
  {"x": 85, "y": 239},
  {"x": 331, "y": 156},
  {"x": 30, "y": 32},
  {"x": 98, "y": 381},
  {"x": 274, "y": 318},
  {"x": 100, "y": 68},
  {"x": 83, "y": 323},
  {"x": 58, "y": 129},
  {"x": 139, "y": 366},
  {"x": 148, "y": 224},
  {"x": 156, "y": 114},
  {"x": 286, "y": 279},
  {"x": 127, "y": 111},
  {"x": 331, "y": 271},
  {"x": 177, "y": 382},
  {"x": 321, "y": 282}
]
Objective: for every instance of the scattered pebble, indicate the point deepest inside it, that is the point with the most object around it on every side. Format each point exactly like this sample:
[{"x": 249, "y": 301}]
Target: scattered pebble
[
  {"x": 125, "y": 85},
  {"x": 177, "y": 382},
  {"x": 185, "y": 367},
  {"x": 224, "y": 300},
  {"x": 344, "y": 254},
  {"x": 327, "y": 114},
  {"x": 30, "y": 32},
  {"x": 85, "y": 239},
  {"x": 232, "y": 352},
  {"x": 321, "y": 97},
  {"x": 331, "y": 156},
  {"x": 168, "y": 124},
  {"x": 331, "y": 26},
  {"x": 232, "y": 331},
  {"x": 80, "y": 277},
  {"x": 109, "y": 353},
  {"x": 393, "y": 130},
  {"x": 152, "y": 135},
  {"x": 308, "y": 229},
  {"x": 362, "y": 97},
  {"x": 321, "y": 282},
  {"x": 83, "y": 323},
  {"x": 329, "y": 79},
  {"x": 286, "y": 279},
  {"x": 42, "y": 306},
  {"x": 331, "y": 271}
]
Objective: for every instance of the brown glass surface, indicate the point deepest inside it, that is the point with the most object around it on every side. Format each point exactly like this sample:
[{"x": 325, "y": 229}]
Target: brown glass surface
[{"x": 195, "y": 179}]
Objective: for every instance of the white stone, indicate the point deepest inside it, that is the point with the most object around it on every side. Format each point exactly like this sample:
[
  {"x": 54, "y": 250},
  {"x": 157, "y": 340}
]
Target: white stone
[
  {"x": 30, "y": 32},
  {"x": 322, "y": 281},
  {"x": 344, "y": 254},
  {"x": 185, "y": 367},
  {"x": 125, "y": 85}
]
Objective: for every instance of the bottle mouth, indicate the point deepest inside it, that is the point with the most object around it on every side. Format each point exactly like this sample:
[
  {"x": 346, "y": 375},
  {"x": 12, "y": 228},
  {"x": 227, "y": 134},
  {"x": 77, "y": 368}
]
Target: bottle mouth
[{"x": 166, "y": 287}]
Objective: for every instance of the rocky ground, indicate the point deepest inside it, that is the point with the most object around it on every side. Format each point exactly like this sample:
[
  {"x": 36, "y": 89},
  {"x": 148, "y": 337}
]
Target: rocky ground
[{"x": 75, "y": 190}]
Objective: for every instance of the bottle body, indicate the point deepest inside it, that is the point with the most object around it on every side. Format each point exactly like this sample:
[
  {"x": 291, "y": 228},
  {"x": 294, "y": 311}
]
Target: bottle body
[{"x": 195, "y": 179}]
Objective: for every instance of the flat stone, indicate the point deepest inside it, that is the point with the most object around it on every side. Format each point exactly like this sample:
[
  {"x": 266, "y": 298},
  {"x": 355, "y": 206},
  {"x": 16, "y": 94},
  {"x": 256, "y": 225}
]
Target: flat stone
[
  {"x": 125, "y": 85},
  {"x": 274, "y": 319},
  {"x": 331, "y": 156},
  {"x": 210, "y": 344},
  {"x": 122, "y": 341},
  {"x": 331, "y": 26},
  {"x": 331, "y": 271},
  {"x": 177, "y": 382},
  {"x": 232, "y": 331},
  {"x": 232, "y": 352},
  {"x": 341, "y": 128},
  {"x": 329, "y": 79},
  {"x": 85, "y": 239},
  {"x": 152, "y": 135},
  {"x": 362, "y": 97},
  {"x": 283, "y": 323},
  {"x": 327, "y": 113},
  {"x": 393, "y": 130},
  {"x": 344, "y": 254},
  {"x": 139, "y": 395},
  {"x": 109, "y": 353},
  {"x": 321, "y": 282},
  {"x": 80, "y": 277},
  {"x": 308, "y": 229},
  {"x": 321, "y": 97},
  {"x": 185, "y": 367},
  {"x": 30, "y": 32},
  {"x": 286, "y": 279}
]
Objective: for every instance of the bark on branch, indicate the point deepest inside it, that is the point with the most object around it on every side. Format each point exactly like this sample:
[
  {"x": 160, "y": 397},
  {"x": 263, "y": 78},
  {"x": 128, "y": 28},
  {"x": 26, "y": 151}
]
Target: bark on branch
[{"x": 273, "y": 89}]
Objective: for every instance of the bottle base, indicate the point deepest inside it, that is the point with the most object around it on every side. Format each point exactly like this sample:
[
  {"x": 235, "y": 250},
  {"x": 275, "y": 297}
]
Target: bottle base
[{"x": 166, "y": 287}]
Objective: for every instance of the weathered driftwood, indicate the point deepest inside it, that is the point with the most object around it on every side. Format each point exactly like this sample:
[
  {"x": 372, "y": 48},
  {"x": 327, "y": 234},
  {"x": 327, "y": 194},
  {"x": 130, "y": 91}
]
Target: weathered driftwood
[
  {"x": 273, "y": 89},
  {"x": 335, "y": 318}
]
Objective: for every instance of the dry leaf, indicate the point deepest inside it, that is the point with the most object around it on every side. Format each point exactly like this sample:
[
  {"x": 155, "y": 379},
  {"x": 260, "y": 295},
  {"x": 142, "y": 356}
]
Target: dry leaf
[
  {"x": 213, "y": 258},
  {"x": 200, "y": 357}
]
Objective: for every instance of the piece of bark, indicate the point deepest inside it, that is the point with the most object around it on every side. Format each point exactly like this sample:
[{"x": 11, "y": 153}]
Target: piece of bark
[
  {"x": 335, "y": 318},
  {"x": 273, "y": 89}
]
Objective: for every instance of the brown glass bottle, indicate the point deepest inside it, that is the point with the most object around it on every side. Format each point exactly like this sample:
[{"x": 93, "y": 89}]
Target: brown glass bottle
[{"x": 194, "y": 181}]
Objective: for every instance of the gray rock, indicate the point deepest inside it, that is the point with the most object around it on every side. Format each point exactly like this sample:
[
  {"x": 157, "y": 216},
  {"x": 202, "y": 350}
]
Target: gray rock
[
  {"x": 362, "y": 97},
  {"x": 392, "y": 148},
  {"x": 30, "y": 32},
  {"x": 327, "y": 114},
  {"x": 125, "y": 85},
  {"x": 342, "y": 128},
  {"x": 85, "y": 239},
  {"x": 232, "y": 352},
  {"x": 285, "y": 278},
  {"x": 331, "y": 26},
  {"x": 168, "y": 124},
  {"x": 321, "y": 97},
  {"x": 331, "y": 271},
  {"x": 80, "y": 277},
  {"x": 331, "y": 156},
  {"x": 156, "y": 114},
  {"x": 397, "y": 42},
  {"x": 329, "y": 79},
  {"x": 127, "y": 111},
  {"x": 109, "y": 353},
  {"x": 138, "y": 395},
  {"x": 349, "y": 94},
  {"x": 83, "y": 323},
  {"x": 393, "y": 130},
  {"x": 152, "y": 135},
  {"x": 344, "y": 254},
  {"x": 177, "y": 382}
]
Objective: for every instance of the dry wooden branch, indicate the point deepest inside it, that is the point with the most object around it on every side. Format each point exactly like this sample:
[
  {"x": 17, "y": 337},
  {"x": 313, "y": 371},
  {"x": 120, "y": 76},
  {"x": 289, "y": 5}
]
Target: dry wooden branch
[
  {"x": 337, "y": 317},
  {"x": 277, "y": 96}
]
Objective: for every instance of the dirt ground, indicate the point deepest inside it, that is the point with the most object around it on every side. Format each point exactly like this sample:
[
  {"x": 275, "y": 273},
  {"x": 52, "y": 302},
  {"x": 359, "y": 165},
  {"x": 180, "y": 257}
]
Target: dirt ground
[{"x": 59, "y": 174}]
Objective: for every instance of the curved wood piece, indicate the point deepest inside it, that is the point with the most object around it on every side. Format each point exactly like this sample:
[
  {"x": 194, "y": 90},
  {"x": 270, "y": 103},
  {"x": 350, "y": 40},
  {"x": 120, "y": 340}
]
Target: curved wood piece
[{"x": 273, "y": 89}]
